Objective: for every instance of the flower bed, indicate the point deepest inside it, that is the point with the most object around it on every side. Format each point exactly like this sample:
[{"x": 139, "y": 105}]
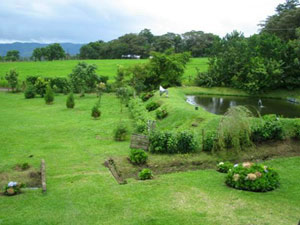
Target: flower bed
[
  {"x": 252, "y": 177},
  {"x": 13, "y": 188}
]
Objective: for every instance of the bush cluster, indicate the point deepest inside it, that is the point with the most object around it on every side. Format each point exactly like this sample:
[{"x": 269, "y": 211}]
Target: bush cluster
[
  {"x": 151, "y": 106},
  {"x": 120, "y": 132},
  {"x": 171, "y": 143},
  {"x": 139, "y": 114},
  {"x": 145, "y": 174},
  {"x": 224, "y": 167},
  {"x": 161, "y": 113},
  {"x": 252, "y": 177},
  {"x": 269, "y": 129},
  {"x": 138, "y": 156}
]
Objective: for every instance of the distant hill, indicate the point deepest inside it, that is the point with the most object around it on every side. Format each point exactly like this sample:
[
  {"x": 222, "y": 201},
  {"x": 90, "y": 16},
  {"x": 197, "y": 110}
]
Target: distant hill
[{"x": 26, "y": 49}]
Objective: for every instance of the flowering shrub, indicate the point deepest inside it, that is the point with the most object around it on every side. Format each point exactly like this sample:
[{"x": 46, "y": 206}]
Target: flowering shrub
[
  {"x": 13, "y": 188},
  {"x": 145, "y": 174},
  {"x": 138, "y": 156},
  {"x": 252, "y": 177},
  {"x": 224, "y": 167}
]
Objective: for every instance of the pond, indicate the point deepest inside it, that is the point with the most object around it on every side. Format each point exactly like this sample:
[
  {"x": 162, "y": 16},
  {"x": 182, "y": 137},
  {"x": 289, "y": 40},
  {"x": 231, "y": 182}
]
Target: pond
[{"x": 219, "y": 105}]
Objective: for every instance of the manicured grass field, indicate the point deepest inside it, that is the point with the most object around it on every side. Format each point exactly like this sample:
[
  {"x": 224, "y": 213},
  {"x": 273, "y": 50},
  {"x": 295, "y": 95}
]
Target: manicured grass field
[
  {"x": 105, "y": 67},
  {"x": 82, "y": 191}
]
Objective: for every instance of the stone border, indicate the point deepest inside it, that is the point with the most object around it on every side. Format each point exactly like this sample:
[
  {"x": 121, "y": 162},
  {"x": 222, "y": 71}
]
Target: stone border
[
  {"x": 110, "y": 164},
  {"x": 43, "y": 176}
]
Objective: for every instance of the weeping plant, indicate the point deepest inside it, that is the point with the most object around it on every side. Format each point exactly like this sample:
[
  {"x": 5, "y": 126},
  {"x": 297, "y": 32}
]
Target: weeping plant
[{"x": 234, "y": 129}]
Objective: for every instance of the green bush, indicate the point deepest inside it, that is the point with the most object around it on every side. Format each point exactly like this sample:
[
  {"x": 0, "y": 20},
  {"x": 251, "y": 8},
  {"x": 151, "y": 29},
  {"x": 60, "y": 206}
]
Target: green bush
[
  {"x": 49, "y": 95},
  {"x": 204, "y": 80},
  {"x": 209, "y": 140},
  {"x": 70, "y": 101},
  {"x": 224, "y": 167},
  {"x": 186, "y": 142},
  {"x": 138, "y": 156},
  {"x": 12, "y": 79},
  {"x": 146, "y": 96},
  {"x": 145, "y": 174},
  {"x": 3, "y": 82},
  {"x": 60, "y": 84},
  {"x": 96, "y": 113},
  {"x": 252, "y": 177},
  {"x": 151, "y": 106},
  {"x": 120, "y": 132},
  {"x": 269, "y": 129},
  {"x": 29, "y": 91},
  {"x": 171, "y": 143},
  {"x": 297, "y": 129},
  {"x": 161, "y": 113}
]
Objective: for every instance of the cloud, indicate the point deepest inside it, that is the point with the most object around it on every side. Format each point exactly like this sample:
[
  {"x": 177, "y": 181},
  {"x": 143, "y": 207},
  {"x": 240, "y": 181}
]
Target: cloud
[{"x": 90, "y": 20}]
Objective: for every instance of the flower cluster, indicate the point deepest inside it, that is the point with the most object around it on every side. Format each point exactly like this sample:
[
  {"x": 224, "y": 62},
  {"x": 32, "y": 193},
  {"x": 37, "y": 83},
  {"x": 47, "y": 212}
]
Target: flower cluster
[
  {"x": 13, "y": 188},
  {"x": 224, "y": 167},
  {"x": 252, "y": 177}
]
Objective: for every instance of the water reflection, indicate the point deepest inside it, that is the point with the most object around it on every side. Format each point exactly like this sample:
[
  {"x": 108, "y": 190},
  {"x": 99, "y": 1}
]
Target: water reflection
[{"x": 219, "y": 105}]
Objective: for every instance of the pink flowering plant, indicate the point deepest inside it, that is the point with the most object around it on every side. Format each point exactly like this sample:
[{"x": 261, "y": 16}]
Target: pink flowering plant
[
  {"x": 224, "y": 167},
  {"x": 252, "y": 177}
]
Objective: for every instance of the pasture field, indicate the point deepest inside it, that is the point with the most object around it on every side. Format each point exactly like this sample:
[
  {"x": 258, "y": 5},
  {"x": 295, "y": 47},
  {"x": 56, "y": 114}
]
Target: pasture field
[
  {"x": 105, "y": 67},
  {"x": 82, "y": 191}
]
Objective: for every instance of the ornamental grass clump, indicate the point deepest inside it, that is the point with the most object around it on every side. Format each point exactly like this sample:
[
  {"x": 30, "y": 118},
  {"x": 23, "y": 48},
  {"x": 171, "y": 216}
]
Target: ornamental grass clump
[
  {"x": 13, "y": 188},
  {"x": 224, "y": 167},
  {"x": 252, "y": 177}
]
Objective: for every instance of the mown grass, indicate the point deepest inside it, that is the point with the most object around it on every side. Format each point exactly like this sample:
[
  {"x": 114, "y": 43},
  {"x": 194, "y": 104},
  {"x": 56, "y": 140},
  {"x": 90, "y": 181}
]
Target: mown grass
[
  {"x": 105, "y": 67},
  {"x": 82, "y": 191}
]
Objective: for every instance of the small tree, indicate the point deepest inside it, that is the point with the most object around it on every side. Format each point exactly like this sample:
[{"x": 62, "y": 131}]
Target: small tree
[
  {"x": 96, "y": 113},
  {"x": 49, "y": 96},
  {"x": 123, "y": 94},
  {"x": 100, "y": 88},
  {"x": 12, "y": 79},
  {"x": 70, "y": 101}
]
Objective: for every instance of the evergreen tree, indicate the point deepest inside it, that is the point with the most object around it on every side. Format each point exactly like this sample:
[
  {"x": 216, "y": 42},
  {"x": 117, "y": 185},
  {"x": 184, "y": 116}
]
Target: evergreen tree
[
  {"x": 70, "y": 101},
  {"x": 49, "y": 96}
]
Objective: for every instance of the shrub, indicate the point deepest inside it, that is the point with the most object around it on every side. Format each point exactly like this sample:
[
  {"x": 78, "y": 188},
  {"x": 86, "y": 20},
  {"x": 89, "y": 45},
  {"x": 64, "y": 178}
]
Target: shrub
[
  {"x": 209, "y": 140},
  {"x": 29, "y": 91},
  {"x": 204, "y": 80},
  {"x": 146, "y": 96},
  {"x": 163, "y": 142},
  {"x": 138, "y": 156},
  {"x": 186, "y": 142},
  {"x": 224, "y": 167},
  {"x": 41, "y": 86},
  {"x": 120, "y": 132},
  {"x": 297, "y": 130},
  {"x": 12, "y": 79},
  {"x": 252, "y": 177},
  {"x": 96, "y": 113},
  {"x": 145, "y": 174},
  {"x": 161, "y": 113},
  {"x": 60, "y": 84},
  {"x": 152, "y": 106},
  {"x": 70, "y": 101},
  {"x": 49, "y": 96},
  {"x": 270, "y": 128},
  {"x": 13, "y": 188}
]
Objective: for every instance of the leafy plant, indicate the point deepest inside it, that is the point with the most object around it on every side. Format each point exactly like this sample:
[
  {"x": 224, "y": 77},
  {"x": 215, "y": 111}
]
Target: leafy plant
[
  {"x": 209, "y": 141},
  {"x": 49, "y": 96},
  {"x": 70, "y": 101},
  {"x": 151, "y": 106},
  {"x": 161, "y": 113},
  {"x": 186, "y": 142},
  {"x": 252, "y": 177},
  {"x": 145, "y": 174},
  {"x": 29, "y": 91},
  {"x": 146, "y": 96},
  {"x": 12, "y": 79},
  {"x": 96, "y": 113},
  {"x": 138, "y": 156},
  {"x": 224, "y": 167},
  {"x": 13, "y": 188},
  {"x": 120, "y": 132}
]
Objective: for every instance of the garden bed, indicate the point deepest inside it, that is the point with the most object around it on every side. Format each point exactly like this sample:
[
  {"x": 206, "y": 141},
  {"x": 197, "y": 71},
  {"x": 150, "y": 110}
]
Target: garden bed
[{"x": 163, "y": 164}]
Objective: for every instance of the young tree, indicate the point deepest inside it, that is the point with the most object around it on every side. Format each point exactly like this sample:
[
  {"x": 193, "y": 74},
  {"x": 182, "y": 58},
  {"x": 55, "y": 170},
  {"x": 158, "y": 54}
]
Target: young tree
[
  {"x": 70, "y": 101},
  {"x": 123, "y": 94},
  {"x": 49, "y": 96},
  {"x": 12, "y": 79}
]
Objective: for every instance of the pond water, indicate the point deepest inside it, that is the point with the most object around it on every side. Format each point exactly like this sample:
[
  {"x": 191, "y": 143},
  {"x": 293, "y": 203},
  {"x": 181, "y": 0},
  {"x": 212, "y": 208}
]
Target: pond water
[{"x": 219, "y": 105}]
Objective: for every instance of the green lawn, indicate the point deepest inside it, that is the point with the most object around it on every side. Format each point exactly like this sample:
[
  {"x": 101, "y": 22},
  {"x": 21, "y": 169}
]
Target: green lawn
[
  {"x": 105, "y": 67},
  {"x": 82, "y": 191}
]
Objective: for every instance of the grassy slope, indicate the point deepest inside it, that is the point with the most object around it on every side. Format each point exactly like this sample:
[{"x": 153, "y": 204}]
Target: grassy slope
[
  {"x": 105, "y": 67},
  {"x": 82, "y": 191}
]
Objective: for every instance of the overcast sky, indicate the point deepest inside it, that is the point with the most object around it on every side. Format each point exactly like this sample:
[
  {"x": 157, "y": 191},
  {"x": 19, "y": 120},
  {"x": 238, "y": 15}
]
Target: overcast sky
[{"x": 82, "y": 21}]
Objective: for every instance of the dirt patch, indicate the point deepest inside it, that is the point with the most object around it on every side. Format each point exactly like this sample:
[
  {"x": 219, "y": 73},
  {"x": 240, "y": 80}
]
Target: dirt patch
[{"x": 163, "y": 164}]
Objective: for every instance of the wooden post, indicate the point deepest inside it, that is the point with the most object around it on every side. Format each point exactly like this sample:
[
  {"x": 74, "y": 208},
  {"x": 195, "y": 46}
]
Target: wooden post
[{"x": 43, "y": 176}]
